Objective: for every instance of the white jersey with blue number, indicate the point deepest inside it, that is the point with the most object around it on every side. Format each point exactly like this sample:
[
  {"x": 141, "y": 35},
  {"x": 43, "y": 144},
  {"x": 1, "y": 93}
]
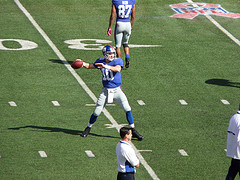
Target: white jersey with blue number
[
  {"x": 124, "y": 9},
  {"x": 110, "y": 79}
]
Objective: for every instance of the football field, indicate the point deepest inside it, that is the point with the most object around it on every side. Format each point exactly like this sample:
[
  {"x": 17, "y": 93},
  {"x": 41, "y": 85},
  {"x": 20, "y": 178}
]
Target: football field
[{"x": 183, "y": 85}]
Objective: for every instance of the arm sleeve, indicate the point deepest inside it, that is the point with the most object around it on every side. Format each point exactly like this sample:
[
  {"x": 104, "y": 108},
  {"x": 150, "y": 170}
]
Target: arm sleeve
[{"x": 131, "y": 157}]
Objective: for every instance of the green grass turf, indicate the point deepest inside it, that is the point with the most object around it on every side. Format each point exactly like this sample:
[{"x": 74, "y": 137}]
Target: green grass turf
[{"x": 193, "y": 53}]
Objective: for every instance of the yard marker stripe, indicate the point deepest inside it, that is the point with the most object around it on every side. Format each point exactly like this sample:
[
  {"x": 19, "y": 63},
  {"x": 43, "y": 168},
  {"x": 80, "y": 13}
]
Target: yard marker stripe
[
  {"x": 95, "y": 105},
  {"x": 183, "y": 102},
  {"x": 89, "y": 153},
  {"x": 12, "y": 103},
  {"x": 144, "y": 150},
  {"x": 225, "y": 101},
  {"x": 55, "y": 103},
  {"x": 42, "y": 154},
  {"x": 82, "y": 83},
  {"x": 112, "y": 126},
  {"x": 182, "y": 152},
  {"x": 218, "y": 25},
  {"x": 141, "y": 103}
]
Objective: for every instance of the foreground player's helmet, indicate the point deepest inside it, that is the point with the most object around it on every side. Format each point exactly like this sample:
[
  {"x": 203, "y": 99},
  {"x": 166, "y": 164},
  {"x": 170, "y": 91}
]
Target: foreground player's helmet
[{"x": 107, "y": 50}]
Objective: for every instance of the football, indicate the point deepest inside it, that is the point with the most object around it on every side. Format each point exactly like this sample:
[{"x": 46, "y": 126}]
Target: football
[{"x": 77, "y": 64}]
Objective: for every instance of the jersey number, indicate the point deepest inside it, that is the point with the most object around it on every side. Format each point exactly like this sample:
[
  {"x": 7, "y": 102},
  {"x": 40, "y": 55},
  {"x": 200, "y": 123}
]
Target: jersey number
[
  {"x": 107, "y": 75},
  {"x": 122, "y": 9}
]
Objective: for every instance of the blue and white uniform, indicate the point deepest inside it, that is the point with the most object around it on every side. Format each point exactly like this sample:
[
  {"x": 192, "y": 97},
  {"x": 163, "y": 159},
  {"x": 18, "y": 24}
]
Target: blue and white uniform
[
  {"x": 111, "y": 91},
  {"x": 123, "y": 25},
  {"x": 110, "y": 79},
  {"x": 124, "y": 9},
  {"x": 127, "y": 159}
]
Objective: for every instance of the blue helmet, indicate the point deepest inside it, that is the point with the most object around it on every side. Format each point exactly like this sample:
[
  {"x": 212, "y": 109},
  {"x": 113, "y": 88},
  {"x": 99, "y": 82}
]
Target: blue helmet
[{"x": 108, "y": 49}]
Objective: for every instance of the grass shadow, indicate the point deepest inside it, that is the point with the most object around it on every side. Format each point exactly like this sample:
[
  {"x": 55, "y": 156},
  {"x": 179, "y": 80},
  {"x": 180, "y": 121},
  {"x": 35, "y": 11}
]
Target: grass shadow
[
  {"x": 223, "y": 82},
  {"x": 63, "y": 130},
  {"x": 60, "y": 61}
]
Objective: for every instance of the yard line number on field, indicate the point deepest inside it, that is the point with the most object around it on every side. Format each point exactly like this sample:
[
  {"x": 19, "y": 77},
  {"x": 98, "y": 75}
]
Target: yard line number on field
[{"x": 82, "y": 83}]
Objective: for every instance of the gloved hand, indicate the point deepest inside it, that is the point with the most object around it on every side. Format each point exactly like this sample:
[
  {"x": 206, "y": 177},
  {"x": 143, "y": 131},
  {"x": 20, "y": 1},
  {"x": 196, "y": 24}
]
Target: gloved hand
[{"x": 109, "y": 31}]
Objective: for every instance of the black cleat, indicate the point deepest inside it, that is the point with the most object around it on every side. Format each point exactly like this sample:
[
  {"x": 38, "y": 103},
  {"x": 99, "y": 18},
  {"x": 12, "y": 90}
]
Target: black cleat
[
  {"x": 86, "y": 132},
  {"x": 127, "y": 60},
  {"x": 136, "y": 134}
]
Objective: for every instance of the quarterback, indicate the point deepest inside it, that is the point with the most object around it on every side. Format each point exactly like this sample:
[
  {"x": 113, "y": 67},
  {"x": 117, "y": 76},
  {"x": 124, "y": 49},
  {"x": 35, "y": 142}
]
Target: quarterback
[{"x": 111, "y": 80}]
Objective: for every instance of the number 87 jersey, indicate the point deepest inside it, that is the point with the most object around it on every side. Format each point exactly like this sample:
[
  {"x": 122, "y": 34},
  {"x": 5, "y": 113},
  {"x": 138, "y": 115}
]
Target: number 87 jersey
[{"x": 124, "y": 9}]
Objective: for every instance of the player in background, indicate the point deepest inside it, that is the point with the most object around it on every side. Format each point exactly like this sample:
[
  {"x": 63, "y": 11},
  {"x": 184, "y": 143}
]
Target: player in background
[
  {"x": 123, "y": 28},
  {"x": 111, "y": 79}
]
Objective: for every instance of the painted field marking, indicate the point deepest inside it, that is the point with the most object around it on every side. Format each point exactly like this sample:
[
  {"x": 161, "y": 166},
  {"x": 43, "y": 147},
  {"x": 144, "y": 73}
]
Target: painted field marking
[
  {"x": 182, "y": 152},
  {"x": 144, "y": 150},
  {"x": 135, "y": 45},
  {"x": 95, "y": 104},
  {"x": 218, "y": 25},
  {"x": 112, "y": 126},
  {"x": 89, "y": 153},
  {"x": 12, "y": 103},
  {"x": 83, "y": 84},
  {"x": 55, "y": 103},
  {"x": 42, "y": 154},
  {"x": 141, "y": 103},
  {"x": 183, "y": 102},
  {"x": 224, "y": 101}
]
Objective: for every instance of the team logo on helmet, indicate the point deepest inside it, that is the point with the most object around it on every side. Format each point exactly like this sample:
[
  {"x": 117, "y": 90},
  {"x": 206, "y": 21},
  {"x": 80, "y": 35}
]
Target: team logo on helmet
[{"x": 107, "y": 50}]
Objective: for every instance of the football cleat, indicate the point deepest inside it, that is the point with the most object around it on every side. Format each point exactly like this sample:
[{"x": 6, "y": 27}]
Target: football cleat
[
  {"x": 136, "y": 134},
  {"x": 107, "y": 50},
  {"x": 127, "y": 60},
  {"x": 86, "y": 132}
]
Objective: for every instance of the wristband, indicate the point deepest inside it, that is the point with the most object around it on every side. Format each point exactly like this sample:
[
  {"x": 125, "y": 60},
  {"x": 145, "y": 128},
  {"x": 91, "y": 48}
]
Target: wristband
[
  {"x": 83, "y": 64},
  {"x": 107, "y": 67}
]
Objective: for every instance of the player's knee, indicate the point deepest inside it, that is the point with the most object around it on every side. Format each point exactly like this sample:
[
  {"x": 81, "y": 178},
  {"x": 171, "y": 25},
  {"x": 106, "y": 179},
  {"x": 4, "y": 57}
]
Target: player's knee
[
  {"x": 125, "y": 45},
  {"x": 97, "y": 111},
  {"x": 126, "y": 108}
]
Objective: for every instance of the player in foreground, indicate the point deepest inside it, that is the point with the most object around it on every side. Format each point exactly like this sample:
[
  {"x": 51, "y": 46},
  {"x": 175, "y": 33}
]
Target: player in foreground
[
  {"x": 111, "y": 79},
  {"x": 123, "y": 28},
  {"x": 233, "y": 145},
  {"x": 126, "y": 156}
]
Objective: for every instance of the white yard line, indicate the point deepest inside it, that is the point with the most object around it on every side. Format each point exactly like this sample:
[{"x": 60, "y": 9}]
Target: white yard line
[
  {"x": 183, "y": 152},
  {"x": 183, "y": 102},
  {"x": 218, "y": 25},
  {"x": 89, "y": 153},
  {"x": 81, "y": 82},
  {"x": 42, "y": 154},
  {"x": 224, "y": 101},
  {"x": 55, "y": 103},
  {"x": 12, "y": 103}
]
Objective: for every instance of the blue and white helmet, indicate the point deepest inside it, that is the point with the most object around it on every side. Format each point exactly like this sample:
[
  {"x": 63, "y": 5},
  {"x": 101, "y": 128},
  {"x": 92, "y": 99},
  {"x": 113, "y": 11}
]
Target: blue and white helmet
[{"x": 107, "y": 50}]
